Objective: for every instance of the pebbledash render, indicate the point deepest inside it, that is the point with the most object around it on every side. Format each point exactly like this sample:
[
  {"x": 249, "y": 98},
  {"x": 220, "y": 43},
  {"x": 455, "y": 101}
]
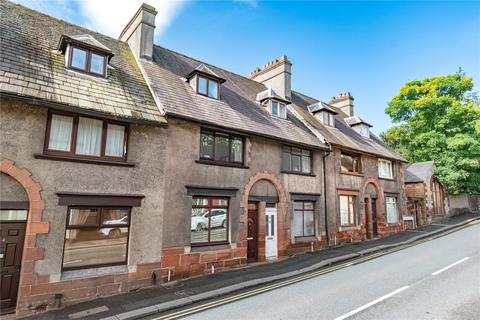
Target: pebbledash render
[{"x": 100, "y": 195}]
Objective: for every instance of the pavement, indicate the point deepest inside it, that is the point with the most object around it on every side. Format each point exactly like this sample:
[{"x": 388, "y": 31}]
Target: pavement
[
  {"x": 437, "y": 279},
  {"x": 182, "y": 293}
]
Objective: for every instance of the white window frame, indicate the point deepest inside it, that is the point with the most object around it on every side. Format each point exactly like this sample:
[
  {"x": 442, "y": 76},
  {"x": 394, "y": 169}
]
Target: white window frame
[
  {"x": 382, "y": 166},
  {"x": 391, "y": 210},
  {"x": 364, "y": 131},
  {"x": 282, "y": 109}
]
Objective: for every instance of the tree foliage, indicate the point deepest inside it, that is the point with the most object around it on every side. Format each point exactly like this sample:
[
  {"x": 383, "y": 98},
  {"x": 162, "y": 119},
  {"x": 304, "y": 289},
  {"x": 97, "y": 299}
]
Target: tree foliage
[{"x": 439, "y": 119}]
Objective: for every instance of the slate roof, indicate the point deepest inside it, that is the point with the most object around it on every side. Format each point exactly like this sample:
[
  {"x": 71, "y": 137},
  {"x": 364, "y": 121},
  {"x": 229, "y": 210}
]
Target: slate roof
[
  {"x": 32, "y": 67},
  {"x": 419, "y": 171},
  {"x": 236, "y": 109},
  {"x": 342, "y": 134}
]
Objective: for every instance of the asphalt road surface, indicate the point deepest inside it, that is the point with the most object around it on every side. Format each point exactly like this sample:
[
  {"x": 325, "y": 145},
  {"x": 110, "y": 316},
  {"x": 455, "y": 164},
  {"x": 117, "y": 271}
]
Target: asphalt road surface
[{"x": 438, "y": 279}]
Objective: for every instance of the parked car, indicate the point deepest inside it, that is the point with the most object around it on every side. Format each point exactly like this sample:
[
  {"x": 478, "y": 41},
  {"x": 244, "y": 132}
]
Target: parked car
[
  {"x": 218, "y": 219},
  {"x": 115, "y": 232}
]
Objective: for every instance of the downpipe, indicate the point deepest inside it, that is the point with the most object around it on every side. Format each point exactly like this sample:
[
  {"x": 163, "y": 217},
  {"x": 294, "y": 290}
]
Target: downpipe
[{"x": 327, "y": 153}]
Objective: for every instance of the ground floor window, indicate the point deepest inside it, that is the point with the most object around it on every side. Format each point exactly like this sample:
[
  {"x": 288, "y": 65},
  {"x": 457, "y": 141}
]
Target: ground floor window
[
  {"x": 209, "y": 220},
  {"x": 347, "y": 210},
  {"x": 303, "y": 218},
  {"x": 392, "y": 214},
  {"x": 96, "y": 236}
]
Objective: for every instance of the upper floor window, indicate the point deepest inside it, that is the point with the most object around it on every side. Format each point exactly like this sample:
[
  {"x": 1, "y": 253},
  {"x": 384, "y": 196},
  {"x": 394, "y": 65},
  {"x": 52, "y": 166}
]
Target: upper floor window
[
  {"x": 363, "y": 130},
  {"x": 278, "y": 109},
  {"x": 84, "y": 137},
  {"x": 327, "y": 119},
  {"x": 87, "y": 61},
  {"x": 221, "y": 147},
  {"x": 207, "y": 87},
  {"x": 296, "y": 160},
  {"x": 385, "y": 169},
  {"x": 350, "y": 163}
]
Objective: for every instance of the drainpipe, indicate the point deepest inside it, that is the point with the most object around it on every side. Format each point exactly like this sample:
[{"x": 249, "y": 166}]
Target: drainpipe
[{"x": 325, "y": 190}]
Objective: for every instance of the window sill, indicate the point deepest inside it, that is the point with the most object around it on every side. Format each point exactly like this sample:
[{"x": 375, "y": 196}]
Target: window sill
[
  {"x": 349, "y": 228},
  {"x": 352, "y": 173},
  {"x": 388, "y": 179},
  {"x": 210, "y": 247},
  {"x": 298, "y": 173},
  {"x": 303, "y": 239},
  {"x": 92, "y": 161},
  {"x": 93, "y": 272},
  {"x": 222, "y": 164}
]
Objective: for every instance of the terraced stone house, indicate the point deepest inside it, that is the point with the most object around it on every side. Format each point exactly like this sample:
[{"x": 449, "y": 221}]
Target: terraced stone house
[{"x": 104, "y": 197}]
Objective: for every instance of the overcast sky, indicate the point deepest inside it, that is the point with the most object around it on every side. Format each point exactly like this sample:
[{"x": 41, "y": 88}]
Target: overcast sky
[{"x": 367, "y": 48}]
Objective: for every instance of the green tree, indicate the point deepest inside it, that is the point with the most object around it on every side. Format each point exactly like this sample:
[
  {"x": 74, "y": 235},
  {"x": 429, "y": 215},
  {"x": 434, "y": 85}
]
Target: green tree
[{"x": 439, "y": 119}]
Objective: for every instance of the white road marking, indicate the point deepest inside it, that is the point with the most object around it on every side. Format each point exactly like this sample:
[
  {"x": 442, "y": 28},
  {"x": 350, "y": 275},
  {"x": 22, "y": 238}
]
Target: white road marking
[
  {"x": 449, "y": 266},
  {"x": 368, "y": 305}
]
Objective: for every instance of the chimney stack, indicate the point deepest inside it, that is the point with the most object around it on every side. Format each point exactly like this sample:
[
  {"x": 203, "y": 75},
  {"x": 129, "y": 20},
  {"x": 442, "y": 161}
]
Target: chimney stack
[
  {"x": 344, "y": 102},
  {"x": 277, "y": 75},
  {"x": 139, "y": 32}
]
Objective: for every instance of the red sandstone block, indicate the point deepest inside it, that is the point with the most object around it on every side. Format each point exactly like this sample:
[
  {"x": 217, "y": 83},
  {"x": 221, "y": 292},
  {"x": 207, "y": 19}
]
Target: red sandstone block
[
  {"x": 27, "y": 267},
  {"x": 33, "y": 254},
  {"x": 172, "y": 251},
  {"x": 24, "y": 291},
  {"x": 118, "y": 278},
  {"x": 27, "y": 279},
  {"x": 239, "y": 252},
  {"x": 39, "y": 204},
  {"x": 53, "y": 287},
  {"x": 224, "y": 255},
  {"x": 231, "y": 263},
  {"x": 170, "y": 260},
  {"x": 82, "y": 293},
  {"x": 208, "y": 257},
  {"x": 41, "y": 279},
  {"x": 38, "y": 227},
  {"x": 30, "y": 241},
  {"x": 194, "y": 269},
  {"x": 92, "y": 282},
  {"x": 5, "y": 165},
  {"x": 149, "y": 266},
  {"x": 108, "y": 289},
  {"x": 187, "y": 259}
]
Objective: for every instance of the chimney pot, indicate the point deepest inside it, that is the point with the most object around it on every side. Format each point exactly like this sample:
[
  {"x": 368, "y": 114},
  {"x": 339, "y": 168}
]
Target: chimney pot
[{"x": 344, "y": 102}]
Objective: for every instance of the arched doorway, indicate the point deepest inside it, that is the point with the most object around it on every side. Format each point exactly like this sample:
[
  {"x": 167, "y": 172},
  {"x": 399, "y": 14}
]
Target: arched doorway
[
  {"x": 21, "y": 221},
  {"x": 264, "y": 204},
  {"x": 372, "y": 199}
]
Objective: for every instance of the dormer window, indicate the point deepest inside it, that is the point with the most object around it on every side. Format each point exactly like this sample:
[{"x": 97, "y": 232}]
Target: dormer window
[
  {"x": 205, "y": 82},
  {"x": 323, "y": 112},
  {"x": 87, "y": 61},
  {"x": 278, "y": 109},
  {"x": 207, "y": 87},
  {"x": 85, "y": 54},
  {"x": 363, "y": 130},
  {"x": 359, "y": 125}
]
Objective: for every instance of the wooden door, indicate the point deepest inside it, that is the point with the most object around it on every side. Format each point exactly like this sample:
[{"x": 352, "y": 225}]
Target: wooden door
[
  {"x": 367, "y": 218},
  {"x": 12, "y": 236},
  {"x": 374, "y": 217},
  {"x": 252, "y": 233}
]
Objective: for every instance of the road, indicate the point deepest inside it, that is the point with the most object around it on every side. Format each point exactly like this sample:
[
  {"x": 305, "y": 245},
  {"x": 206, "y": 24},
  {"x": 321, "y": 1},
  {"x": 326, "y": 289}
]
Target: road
[{"x": 438, "y": 279}]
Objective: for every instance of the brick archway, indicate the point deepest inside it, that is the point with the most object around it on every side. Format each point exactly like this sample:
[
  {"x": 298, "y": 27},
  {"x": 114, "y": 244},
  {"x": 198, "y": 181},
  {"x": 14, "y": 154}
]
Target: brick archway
[
  {"x": 281, "y": 209},
  {"x": 35, "y": 226}
]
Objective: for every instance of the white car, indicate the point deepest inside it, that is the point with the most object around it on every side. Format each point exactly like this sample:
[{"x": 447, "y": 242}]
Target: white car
[
  {"x": 218, "y": 219},
  {"x": 115, "y": 232}
]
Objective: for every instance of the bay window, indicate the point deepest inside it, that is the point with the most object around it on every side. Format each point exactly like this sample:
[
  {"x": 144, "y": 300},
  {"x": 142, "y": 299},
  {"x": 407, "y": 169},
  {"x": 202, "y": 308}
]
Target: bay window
[
  {"x": 347, "y": 210},
  {"x": 385, "y": 169},
  {"x": 221, "y": 147},
  {"x": 209, "y": 221},
  {"x": 96, "y": 236},
  {"x": 84, "y": 137},
  {"x": 392, "y": 212},
  {"x": 296, "y": 160},
  {"x": 303, "y": 218}
]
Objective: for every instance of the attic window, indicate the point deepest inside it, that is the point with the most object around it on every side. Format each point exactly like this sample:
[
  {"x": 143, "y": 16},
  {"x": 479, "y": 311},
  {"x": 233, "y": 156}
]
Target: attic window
[
  {"x": 88, "y": 61},
  {"x": 207, "y": 87},
  {"x": 363, "y": 130},
  {"x": 327, "y": 119},
  {"x": 278, "y": 109}
]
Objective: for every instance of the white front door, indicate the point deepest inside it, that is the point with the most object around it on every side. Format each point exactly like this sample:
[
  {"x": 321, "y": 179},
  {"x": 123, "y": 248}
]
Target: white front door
[{"x": 271, "y": 233}]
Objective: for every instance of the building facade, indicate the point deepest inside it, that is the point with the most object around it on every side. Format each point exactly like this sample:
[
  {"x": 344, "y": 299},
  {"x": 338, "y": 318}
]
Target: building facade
[{"x": 105, "y": 197}]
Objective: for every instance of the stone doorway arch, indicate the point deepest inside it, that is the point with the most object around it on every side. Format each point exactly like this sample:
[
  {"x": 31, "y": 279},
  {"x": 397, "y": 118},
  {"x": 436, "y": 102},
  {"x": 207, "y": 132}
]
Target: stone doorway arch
[
  {"x": 34, "y": 227},
  {"x": 373, "y": 213},
  {"x": 281, "y": 213}
]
